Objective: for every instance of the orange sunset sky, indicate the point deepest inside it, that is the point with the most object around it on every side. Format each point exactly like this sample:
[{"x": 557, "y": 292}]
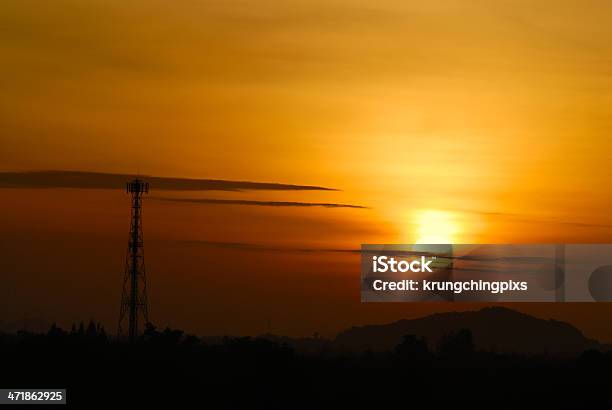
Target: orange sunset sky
[{"x": 470, "y": 121}]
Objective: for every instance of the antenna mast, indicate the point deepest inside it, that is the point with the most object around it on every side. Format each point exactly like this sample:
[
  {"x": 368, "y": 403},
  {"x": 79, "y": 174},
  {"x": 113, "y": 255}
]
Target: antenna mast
[{"x": 134, "y": 296}]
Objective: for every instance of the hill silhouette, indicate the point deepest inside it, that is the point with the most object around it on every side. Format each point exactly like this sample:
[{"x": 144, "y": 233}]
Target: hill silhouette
[{"x": 496, "y": 329}]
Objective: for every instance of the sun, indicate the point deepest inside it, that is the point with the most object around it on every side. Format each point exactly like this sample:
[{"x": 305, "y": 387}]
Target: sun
[{"x": 435, "y": 227}]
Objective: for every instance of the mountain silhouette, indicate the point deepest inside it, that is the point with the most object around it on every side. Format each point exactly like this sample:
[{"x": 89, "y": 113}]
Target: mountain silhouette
[{"x": 494, "y": 329}]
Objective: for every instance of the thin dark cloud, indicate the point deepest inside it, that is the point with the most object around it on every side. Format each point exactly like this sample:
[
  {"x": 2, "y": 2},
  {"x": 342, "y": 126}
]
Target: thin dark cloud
[
  {"x": 212, "y": 201},
  {"x": 100, "y": 180},
  {"x": 534, "y": 220},
  {"x": 510, "y": 263},
  {"x": 515, "y": 265},
  {"x": 253, "y": 247}
]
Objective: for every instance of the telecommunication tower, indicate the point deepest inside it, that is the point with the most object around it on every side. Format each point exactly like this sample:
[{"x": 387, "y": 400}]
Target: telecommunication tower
[{"x": 134, "y": 296}]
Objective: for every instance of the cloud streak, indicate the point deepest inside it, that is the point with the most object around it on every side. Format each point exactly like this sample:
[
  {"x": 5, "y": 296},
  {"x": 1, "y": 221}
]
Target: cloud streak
[
  {"x": 253, "y": 247},
  {"x": 211, "y": 201},
  {"x": 99, "y": 180},
  {"x": 535, "y": 220}
]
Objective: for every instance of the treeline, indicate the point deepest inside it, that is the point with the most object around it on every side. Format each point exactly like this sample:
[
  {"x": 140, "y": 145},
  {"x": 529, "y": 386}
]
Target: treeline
[
  {"x": 413, "y": 350},
  {"x": 169, "y": 366}
]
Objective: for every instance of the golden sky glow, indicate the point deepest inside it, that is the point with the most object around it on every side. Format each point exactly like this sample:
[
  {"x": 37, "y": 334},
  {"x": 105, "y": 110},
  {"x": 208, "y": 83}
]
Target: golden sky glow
[
  {"x": 471, "y": 121},
  {"x": 495, "y": 107}
]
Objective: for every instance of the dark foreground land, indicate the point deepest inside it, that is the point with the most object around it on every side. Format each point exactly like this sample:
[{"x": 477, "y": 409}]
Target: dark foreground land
[{"x": 170, "y": 368}]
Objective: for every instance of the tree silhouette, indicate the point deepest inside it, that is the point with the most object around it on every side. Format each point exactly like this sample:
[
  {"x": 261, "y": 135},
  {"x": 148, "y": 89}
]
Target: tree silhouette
[
  {"x": 55, "y": 332},
  {"x": 412, "y": 349},
  {"x": 91, "y": 332},
  {"x": 456, "y": 344}
]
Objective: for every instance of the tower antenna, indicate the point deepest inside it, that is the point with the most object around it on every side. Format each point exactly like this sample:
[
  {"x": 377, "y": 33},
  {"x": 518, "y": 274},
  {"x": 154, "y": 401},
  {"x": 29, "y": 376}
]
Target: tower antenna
[{"x": 134, "y": 302}]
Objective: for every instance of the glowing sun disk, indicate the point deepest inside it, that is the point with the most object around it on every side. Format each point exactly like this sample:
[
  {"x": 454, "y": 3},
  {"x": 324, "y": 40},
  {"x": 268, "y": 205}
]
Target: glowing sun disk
[{"x": 435, "y": 227}]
